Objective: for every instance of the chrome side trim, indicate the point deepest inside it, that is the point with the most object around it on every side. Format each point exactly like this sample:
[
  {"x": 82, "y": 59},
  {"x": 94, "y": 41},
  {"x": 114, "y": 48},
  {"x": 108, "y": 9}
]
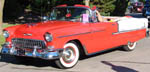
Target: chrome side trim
[
  {"x": 73, "y": 35},
  {"x": 81, "y": 33},
  {"x": 126, "y": 31},
  {"x": 98, "y": 31}
]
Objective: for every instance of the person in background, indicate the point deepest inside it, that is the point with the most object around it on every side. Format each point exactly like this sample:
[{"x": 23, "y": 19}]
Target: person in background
[{"x": 99, "y": 17}]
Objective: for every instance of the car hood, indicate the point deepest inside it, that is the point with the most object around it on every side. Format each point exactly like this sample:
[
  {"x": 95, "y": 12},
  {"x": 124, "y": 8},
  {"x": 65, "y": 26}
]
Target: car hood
[{"x": 36, "y": 30}]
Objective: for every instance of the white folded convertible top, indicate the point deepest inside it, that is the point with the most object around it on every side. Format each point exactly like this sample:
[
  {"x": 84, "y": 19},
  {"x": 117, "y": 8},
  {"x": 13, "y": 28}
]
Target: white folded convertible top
[{"x": 127, "y": 24}]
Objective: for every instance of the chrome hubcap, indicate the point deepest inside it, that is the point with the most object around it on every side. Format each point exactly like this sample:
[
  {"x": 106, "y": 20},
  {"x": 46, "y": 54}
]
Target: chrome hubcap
[
  {"x": 68, "y": 55},
  {"x": 131, "y": 44}
]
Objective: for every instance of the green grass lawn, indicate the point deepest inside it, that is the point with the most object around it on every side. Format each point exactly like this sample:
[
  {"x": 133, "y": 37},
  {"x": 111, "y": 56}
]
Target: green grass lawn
[{"x": 2, "y": 39}]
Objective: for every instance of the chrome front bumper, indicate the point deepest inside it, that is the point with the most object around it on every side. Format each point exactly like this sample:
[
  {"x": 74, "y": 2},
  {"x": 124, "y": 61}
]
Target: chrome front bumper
[{"x": 43, "y": 55}]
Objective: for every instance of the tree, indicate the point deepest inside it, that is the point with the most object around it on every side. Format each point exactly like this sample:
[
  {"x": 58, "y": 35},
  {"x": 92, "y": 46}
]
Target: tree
[
  {"x": 121, "y": 6},
  {"x": 106, "y": 6},
  {"x": 15, "y": 8},
  {"x": 1, "y": 14},
  {"x": 142, "y": 1},
  {"x": 12, "y": 10},
  {"x": 87, "y": 2}
]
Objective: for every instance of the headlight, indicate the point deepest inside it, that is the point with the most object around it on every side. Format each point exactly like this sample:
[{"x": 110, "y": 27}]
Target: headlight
[
  {"x": 48, "y": 37},
  {"x": 6, "y": 34}
]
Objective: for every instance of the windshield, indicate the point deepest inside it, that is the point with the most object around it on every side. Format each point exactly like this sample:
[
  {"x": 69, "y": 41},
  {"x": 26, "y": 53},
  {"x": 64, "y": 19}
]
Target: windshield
[
  {"x": 139, "y": 4},
  {"x": 133, "y": 1},
  {"x": 68, "y": 14}
]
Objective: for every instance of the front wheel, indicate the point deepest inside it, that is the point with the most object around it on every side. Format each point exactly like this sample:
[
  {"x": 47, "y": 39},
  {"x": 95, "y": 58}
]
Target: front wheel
[
  {"x": 130, "y": 46},
  {"x": 70, "y": 56}
]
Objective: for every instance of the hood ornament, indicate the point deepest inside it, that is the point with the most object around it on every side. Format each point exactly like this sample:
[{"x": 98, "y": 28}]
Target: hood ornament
[{"x": 27, "y": 34}]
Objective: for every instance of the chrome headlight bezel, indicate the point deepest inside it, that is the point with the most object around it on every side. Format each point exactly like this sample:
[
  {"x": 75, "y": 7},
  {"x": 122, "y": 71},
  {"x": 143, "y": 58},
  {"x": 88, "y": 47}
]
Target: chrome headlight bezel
[
  {"x": 5, "y": 34},
  {"x": 48, "y": 37}
]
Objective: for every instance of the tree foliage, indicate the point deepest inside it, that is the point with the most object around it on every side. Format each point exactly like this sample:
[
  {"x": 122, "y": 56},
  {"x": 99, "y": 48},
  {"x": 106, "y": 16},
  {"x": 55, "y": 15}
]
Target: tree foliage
[
  {"x": 111, "y": 7},
  {"x": 120, "y": 8},
  {"x": 46, "y": 5},
  {"x": 142, "y": 1},
  {"x": 16, "y": 8},
  {"x": 12, "y": 9},
  {"x": 106, "y": 6}
]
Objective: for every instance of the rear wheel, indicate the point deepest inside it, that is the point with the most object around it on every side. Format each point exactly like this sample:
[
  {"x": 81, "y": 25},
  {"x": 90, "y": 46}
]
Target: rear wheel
[
  {"x": 130, "y": 46},
  {"x": 69, "y": 57}
]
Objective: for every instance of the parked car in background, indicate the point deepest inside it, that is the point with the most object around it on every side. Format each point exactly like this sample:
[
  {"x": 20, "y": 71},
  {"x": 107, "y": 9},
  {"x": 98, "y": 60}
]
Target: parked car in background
[
  {"x": 136, "y": 7},
  {"x": 71, "y": 32},
  {"x": 146, "y": 10}
]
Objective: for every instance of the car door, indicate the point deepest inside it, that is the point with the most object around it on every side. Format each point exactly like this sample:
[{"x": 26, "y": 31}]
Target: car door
[{"x": 102, "y": 35}]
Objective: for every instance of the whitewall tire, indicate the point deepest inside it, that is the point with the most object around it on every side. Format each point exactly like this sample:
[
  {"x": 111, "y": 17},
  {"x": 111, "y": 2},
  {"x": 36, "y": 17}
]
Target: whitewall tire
[
  {"x": 130, "y": 46},
  {"x": 70, "y": 56}
]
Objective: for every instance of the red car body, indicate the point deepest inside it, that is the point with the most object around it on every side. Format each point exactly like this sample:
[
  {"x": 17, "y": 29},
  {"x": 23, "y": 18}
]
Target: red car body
[
  {"x": 91, "y": 36},
  {"x": 94, "y": 36}
]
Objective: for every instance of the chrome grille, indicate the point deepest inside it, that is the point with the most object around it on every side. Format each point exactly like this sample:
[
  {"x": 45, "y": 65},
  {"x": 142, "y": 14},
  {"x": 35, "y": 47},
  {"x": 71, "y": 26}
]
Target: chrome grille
[{"x": 28, "y": 43}]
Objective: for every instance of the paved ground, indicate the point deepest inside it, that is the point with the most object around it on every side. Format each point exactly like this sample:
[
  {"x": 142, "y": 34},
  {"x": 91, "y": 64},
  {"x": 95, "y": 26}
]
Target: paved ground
[{"x": 111, "y": 61}]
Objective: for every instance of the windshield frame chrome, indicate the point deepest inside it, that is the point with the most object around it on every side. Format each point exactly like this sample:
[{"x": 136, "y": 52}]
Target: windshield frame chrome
[{"x": 90, "y": 11}]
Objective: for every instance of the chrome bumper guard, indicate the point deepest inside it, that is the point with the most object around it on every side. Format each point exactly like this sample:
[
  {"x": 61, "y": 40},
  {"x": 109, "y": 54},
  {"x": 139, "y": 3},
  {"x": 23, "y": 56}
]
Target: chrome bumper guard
[{"x": 43, "y": 55}]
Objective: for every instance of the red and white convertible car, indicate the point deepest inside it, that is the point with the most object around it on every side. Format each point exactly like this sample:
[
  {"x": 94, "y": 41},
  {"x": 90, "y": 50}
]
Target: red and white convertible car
[{"x": 71, "y": 32}]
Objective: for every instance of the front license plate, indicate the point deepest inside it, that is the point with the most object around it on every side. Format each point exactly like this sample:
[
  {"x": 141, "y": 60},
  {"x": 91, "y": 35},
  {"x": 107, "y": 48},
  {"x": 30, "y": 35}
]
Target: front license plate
[{"x": 21, "y": 52}]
